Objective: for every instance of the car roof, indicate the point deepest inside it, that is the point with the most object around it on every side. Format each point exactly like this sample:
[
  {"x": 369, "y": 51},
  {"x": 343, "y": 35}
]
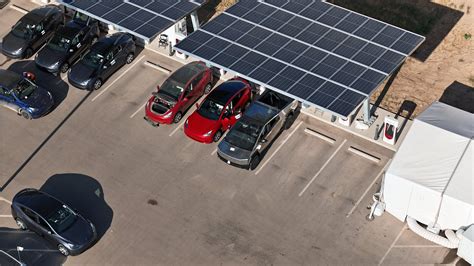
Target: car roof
[
  {"x": 104, "y": 44},
  {"x": 259, "y": 113},
  {"x": 70, "y": 30},
  {"x": 226, "y": 90},
  {"x": 9, "y": 79},
  {"x": 39, "y": 14},
  {"x": 39, "y": 202},
  {"x": 187, "y": 72}
]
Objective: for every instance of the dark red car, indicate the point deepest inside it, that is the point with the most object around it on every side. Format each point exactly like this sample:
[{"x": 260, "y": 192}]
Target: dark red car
[
  {"x": 219, "y": 111},
  {"x": 183, "y": 88}
]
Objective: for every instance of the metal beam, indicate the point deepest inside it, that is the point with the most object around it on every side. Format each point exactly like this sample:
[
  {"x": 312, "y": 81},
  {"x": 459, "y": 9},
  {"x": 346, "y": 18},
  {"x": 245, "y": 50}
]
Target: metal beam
[
  {"x": 366, "y": 110},
  {"x": 195, "y": 20}
]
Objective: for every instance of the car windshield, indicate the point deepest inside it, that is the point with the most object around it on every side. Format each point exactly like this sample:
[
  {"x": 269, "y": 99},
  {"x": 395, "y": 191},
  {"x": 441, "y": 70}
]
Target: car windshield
[
  {"x": 59, "y": 43},
  {"x": 23, "y": 30},
  {"x": 211, "y": 109},
  {"x": 24, "y": 89},
  {"x": 172, "y": 89},
  {"x": 80, "y": 18},
  {"x": 61, "y": 219},
  {"x": 93, "y": 59},
  {"x": 243, "y": 135}
]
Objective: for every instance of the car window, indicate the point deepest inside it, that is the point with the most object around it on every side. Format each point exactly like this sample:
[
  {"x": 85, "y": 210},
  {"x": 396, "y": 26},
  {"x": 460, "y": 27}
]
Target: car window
[
  {"x": 269, "y": 126},
  {"x": 43, "y": 224},
  {"x": 77, "y": 39},
  {"x": 236, "y": 99},
  {"x": 197, "y": 79},
  {"x": 39, "y": 27},
  {"x": 29, "y": 213}
]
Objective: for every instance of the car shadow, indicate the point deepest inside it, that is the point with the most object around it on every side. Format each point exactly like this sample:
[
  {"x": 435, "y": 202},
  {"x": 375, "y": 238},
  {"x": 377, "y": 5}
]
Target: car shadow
[
  {"x": 28, "y": 248},
  {"x": 54, "y": 84},
  {"x": 84, "y": 194},
  {"x": 460, "y": 96}
]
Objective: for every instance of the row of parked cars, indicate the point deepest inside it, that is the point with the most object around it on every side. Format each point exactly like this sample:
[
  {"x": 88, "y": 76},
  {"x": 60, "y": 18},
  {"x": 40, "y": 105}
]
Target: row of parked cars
[
  {"x": 74, "y": 46},
  {"x": 252, "y": 123}
]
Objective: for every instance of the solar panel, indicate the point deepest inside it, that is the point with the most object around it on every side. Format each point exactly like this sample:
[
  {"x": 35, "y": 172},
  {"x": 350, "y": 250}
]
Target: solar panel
[
  {"x": 313, "y": 51},
  {"x": 143, "y": 18}
]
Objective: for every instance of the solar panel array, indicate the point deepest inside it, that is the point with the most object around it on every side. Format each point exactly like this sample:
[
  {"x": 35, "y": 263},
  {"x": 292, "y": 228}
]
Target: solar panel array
[
  {"x": 313, "y": 51},
  {"x": 143, "y": 18}
]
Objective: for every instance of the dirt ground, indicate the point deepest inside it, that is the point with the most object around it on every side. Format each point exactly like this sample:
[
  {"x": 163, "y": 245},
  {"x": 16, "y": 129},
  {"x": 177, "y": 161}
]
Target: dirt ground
[{"x": 441, "y": 69}]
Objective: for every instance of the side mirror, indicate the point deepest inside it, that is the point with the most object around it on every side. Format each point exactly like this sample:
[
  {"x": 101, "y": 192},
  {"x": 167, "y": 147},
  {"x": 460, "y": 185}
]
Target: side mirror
[
  {"x": 197, "y": 105},
  {"x": 259, "y": 147},
  {"x": 263, "y": 140}
]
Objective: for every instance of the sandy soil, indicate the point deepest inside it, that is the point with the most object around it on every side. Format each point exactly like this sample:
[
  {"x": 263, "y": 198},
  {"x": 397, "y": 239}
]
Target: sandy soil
[{"x": 448, "y": 73}]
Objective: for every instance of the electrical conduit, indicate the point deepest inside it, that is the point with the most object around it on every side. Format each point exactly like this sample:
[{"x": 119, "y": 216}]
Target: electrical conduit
[{"x": 451, "y": 241}]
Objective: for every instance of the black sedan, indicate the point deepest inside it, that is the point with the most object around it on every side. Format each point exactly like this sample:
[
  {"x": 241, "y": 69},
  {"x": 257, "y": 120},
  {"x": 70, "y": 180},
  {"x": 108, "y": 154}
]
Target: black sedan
[
  {"x": 32, "y": 31},
  {"x": 68, "y": 44},
  {"x": 106, "y": 56},
  {"x": 53, "y": 220}
]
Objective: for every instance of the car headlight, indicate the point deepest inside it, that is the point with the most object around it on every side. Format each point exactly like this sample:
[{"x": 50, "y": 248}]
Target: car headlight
[
  {"x": 208, "y": 133},
  {"x": 168, "y": 115}
]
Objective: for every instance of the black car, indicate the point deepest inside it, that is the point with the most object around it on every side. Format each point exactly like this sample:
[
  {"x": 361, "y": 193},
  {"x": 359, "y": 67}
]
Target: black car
[
  {"x": 104, "y": 58},
  {"x": 68, "y": 44},
  {"x": 53, "y": 220},
  {"x": 32, "y": 31}
]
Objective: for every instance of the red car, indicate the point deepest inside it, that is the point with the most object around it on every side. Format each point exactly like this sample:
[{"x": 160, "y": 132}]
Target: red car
[
  {"x": 183, "y": 88},
  {"x": 219, "y": 111}
]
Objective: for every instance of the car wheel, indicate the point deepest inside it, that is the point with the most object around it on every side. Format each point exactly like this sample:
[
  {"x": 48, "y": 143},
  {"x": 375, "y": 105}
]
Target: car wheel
[
  {"x": 130, "y": 58},
  {"x": 63, "y": 250},
  {"x": 64, "y": 68},
  {"x": 97, "y": 84},
  {"x": 177, "y": 117},
  {"x": 289, "y": 121},
  {"x": 25, "y": 114},
  {"x": 254, "y": 162},
  {"x": 208, "y": 88},
  {"x": 217, "y": 136},
  {"x": 21, "y": 224},
  {"x": 28, "y": 53}
]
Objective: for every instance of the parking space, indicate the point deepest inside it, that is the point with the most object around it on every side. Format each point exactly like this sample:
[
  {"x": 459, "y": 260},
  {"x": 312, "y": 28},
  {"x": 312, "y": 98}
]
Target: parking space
[{"x": 156, "y": 196}]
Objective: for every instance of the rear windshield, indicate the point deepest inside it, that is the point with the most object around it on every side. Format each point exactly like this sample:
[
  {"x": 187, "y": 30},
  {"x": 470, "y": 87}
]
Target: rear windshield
[
  {"x": 243, "y": 135},
  {"x": 24, "y": 89},
  {"x": 61, "y": 219}
]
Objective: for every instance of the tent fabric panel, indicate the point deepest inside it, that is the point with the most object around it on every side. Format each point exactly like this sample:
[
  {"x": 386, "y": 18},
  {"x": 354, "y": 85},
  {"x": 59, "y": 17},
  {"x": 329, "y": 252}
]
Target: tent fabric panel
[{"x": 455, "y": 214}]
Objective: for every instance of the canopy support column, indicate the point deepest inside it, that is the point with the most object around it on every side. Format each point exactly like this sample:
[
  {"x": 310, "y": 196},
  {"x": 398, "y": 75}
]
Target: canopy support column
[
  {"x": 366, "y": 110},
  {"x": 195, "y": 20}
]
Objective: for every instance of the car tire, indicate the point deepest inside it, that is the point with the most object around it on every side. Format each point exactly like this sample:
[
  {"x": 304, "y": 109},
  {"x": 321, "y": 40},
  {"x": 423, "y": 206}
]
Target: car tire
[
  {"x": 289, "y": 121},
  {"x": 208, "y": 88},
  {"x": 25, "y": 114},
  {"x": 254, "y": 162},
  {"x": 217, "y": 136},
  {"x": 64, "y": 68},
  {"x": 177, "y": 117},
  {"x": 130, "y": 58},
  {"x": 63, "y": 250},
  {"x": 97, "y": 84},
  {"x": 21, "y": 224},
  {"x": 28, "y": 53}
]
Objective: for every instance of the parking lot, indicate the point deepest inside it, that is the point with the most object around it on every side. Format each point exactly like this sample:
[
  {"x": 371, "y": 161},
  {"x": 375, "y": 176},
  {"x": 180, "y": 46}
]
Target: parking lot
[{"x": 157, "y": 196}]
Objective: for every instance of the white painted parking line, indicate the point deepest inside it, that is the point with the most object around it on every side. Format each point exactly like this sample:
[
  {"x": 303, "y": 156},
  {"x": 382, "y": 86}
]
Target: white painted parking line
[
  {"x": 138, "y": 110},
  {"x": 279, "y": 147},
  {"x": 322, "y": 168},
  {"x": 319, "y": 135},
  {"x": 214, "y": 152},
  {"x": 364, "y": 154},
  {"x": 178, "y": 127},
  {"x": 157, "y": 67},
  {"x": 5, "y": 216},
  {"x": 115, "y": 80},
  {"x": 7, "y": 201},
  {"x": 368, "y": 189},
  {"x": 393, "y": 244},
  {"x": 19, "y": 9}
]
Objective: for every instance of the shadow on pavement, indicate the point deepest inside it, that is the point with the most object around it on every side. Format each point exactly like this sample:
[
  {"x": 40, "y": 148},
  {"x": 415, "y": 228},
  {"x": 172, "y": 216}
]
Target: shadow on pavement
[
  {"x": 34, "y": 249},
  {"x": 460, "y": 96},
  {"x": 84, "y": 194},
  {"x": 54, "y": 84}
]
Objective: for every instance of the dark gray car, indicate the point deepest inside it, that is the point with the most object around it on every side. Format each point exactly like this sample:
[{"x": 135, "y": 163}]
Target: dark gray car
[
  {"x": 32, "y": 31},
  {"x": 247, "y": 141},
  {"x": 53, "y": 220},
  {"x": 105, "y": 57},
  {"x": 68, "y": 44}
]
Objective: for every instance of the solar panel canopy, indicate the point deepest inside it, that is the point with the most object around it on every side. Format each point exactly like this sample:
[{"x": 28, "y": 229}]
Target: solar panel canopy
[
  {"x": 313, "y": 51},
  {"x": 143, "y": 18}
]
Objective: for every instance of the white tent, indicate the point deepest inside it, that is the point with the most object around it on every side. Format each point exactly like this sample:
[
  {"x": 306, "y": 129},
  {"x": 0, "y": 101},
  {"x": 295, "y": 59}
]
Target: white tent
[{"x": 431, "y": 177}]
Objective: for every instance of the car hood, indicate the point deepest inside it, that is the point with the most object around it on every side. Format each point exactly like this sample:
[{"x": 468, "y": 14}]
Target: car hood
[
  {"x": 11, "y": 43},
  {"x": 233, "y": 151},
  {"x": 81, "y": 72},
  {"x": 201, "y": 125},
  {"x": 81, "y": 232},
  {"x": 39, "y": 98},
  {"x": 47, "y": 57}
]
